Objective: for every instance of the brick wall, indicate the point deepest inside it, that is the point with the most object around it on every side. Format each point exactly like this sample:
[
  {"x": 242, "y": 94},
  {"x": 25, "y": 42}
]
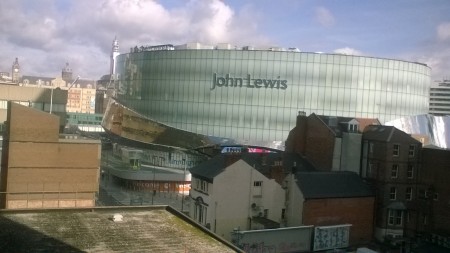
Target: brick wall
[
  {"x": 43, "y": 171},
  {"x": 319, "y": 144},
  {"x": 355, "y": 211},
  {"x": 435, "y": 174}
]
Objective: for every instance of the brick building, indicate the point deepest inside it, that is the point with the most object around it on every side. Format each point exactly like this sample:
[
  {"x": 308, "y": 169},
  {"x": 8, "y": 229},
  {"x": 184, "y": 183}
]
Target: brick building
[
  {"x": 434, "y": 195},
  {"x": 391, "y": 163},
  {"x": 42, "y": 170},
  {"x": 330, "y": 143},
  {"x": 331, "y": 198}
]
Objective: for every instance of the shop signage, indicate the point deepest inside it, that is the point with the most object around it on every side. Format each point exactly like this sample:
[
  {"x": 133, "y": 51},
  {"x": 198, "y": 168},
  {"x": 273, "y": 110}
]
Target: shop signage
[{"x": 248, "y": 82}]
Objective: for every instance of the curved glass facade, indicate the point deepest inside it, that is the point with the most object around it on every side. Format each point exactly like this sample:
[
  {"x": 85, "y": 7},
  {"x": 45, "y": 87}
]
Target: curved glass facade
[{"x": 253, "y": 96}]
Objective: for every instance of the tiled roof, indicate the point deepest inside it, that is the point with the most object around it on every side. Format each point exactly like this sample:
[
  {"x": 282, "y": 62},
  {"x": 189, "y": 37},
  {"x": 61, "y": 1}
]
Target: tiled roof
[
  {"x": 379, "y": 133},
  {"x": 143, "y": 229},
  {"x": 342, "y": 184},
  {"x": 385, "y": 134},
  {"x": 340, "y": 124},
  {"x": 260, "y": 161}
]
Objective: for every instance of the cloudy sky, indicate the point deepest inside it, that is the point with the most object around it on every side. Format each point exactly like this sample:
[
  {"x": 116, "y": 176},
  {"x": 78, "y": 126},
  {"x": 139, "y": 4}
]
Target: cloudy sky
[{"x": 45, "y": 34}]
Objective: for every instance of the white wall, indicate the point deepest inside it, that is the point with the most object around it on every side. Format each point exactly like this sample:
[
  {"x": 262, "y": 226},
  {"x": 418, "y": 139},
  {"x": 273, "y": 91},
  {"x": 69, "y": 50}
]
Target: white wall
[
  {"x": 294, "y": 206},
  {"x": 231, "y": 196}
]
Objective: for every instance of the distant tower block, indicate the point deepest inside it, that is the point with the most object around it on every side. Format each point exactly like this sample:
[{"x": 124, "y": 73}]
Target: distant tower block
[
  {"x": 15, "y": 71},
  {"x": 66, "y": 73},
  {"x": 114, "y": 54}
]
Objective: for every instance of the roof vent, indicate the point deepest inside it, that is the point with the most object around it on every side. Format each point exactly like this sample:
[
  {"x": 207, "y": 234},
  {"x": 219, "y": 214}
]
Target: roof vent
[{"x": 117, "y": 217}]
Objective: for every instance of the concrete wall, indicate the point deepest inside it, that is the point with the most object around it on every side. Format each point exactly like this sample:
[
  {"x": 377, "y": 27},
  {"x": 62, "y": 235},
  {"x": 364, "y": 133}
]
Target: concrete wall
[
  {"x": 41, "y": 96},
  {"x": 351, "y": 152},
  {"x": 42, "y": 171}
]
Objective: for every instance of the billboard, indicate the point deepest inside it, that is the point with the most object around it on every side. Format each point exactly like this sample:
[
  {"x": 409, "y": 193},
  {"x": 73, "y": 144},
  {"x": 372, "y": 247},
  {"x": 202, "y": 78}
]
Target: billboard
[
  {"x": 292, "y": 239},
  {"x": 331, "y": 237}
]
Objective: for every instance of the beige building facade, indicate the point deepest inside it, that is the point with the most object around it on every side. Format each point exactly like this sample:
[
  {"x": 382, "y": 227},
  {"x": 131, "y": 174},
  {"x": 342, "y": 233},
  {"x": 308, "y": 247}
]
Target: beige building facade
[
  {"x": 36, "y": 97},
  {"x": 42, "y": 170},
  {"x": 81, "y": 100}
]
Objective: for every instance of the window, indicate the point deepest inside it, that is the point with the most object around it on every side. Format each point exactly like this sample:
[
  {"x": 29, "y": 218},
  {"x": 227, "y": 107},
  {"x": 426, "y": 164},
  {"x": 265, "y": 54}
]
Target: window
[
  {"x": 395, "y": 217},
  {"x": 201, "y": 185},
  {"x": 371, "y": 147},
  {"x": 204, "y": 186},
  {"x": 436, "y": 196},
  {"x": 394, "y": 171},
  {"x": 353, "y": 127},
  {"x": 257, "y": 188},
  {"x": 393, "y": 193},
  {"x": 409, "y": 193},
  {"x": 398, "y": 217},
  {"x": 200, "y": 212},
  {"x": 197, "y": 184},
  {"x": 412, "y": 150},
  {"x": 410, "y": 171},
  {"x": 396, "y": 150},
  {"x": 257, "y": 183},
  {"x": 391, "y": 217}
]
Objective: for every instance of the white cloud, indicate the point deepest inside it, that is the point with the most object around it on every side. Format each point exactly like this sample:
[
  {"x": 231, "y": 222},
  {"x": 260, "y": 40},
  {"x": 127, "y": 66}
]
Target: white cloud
[
  {"x": 324, "y": 17},
  {"x": 443, "y": 31},
  {"x": 81, "y": 32},
  {"x": 348, "y": 51}
]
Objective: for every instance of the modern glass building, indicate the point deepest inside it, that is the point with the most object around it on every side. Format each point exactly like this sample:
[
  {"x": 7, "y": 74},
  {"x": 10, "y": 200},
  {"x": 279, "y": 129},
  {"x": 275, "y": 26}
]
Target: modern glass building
[
  {"x": 253, "y": 96},
  {"x": 440, "y": 98}
]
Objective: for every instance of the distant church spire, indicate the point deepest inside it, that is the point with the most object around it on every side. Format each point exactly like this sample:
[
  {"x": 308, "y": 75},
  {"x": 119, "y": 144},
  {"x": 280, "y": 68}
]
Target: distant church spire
[{"x": 114, "y": 54}]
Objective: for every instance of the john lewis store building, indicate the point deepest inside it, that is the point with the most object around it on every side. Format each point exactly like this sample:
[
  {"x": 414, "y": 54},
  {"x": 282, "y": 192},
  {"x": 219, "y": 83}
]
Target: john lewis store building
[{"x": 253, "y": 96}]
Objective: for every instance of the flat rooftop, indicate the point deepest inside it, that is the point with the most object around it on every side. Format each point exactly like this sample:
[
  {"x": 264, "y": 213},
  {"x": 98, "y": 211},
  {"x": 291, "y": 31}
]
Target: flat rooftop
[{"x": 143, "y": 229}]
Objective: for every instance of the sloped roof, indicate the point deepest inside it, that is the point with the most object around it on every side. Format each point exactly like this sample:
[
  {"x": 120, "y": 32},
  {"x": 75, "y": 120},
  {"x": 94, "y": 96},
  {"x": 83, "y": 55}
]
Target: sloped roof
[
  {"x": 262, "y": 162},
  {"x": 339, "y": 125},
  {"x": 209, "y": 169},
  {"x": 385, "y": 134},
  {"x": 143, "y": 229},
  {"x": 34, "y": 79},
  {"x": 82, "y": 83},
  {"x": 341, "y": 184}
]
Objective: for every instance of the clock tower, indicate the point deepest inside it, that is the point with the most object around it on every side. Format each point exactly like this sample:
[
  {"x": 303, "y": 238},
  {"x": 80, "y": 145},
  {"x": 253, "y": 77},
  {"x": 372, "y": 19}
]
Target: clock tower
[
  {"x": 16, "y": 71},
  {"x": 66, "y": 74}
]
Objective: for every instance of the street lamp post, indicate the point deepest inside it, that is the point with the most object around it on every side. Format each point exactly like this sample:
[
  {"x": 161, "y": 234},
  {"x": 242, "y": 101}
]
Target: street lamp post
[
  {"x": 153, "y": 185},
  {"x": 184, "y": 182}
]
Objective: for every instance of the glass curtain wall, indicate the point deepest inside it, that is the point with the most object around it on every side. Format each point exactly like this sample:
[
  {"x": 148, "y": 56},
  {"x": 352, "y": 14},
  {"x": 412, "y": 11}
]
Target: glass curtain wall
[{"x": 254, "y": 96}]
